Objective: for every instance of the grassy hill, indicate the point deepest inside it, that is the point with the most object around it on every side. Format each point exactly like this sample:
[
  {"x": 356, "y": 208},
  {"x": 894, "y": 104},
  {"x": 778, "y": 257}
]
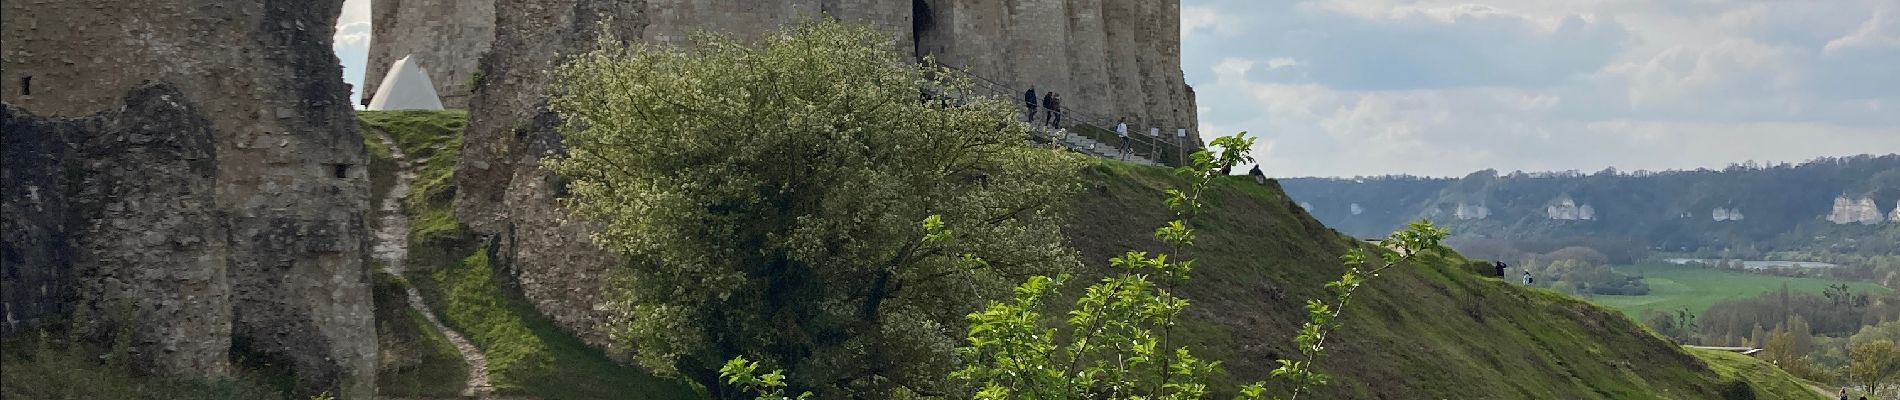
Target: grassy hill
[
  {"x": 1674, "y": 287},
  {"x": 1429, "y": 331},
  {"x": 1432, "y": 330}
]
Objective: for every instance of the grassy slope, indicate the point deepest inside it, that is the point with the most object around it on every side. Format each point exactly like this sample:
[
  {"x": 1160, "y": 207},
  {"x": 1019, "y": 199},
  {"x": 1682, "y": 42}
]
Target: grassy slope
[
  {"x": 416, "y": 360},
  {"x": 1427, "y": 331},
  {"x": 1769, "y": 380},
  {"x": 50, "y": 368},
  {"x": 527, "y": 353},
  {"x": 1675, "y": 287}
]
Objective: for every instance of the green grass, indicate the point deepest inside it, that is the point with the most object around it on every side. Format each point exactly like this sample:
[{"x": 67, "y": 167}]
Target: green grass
[
  {"x": 1764, "y": 379},
  {"x": 527, "y": 353},
  {"x": 1674, "y": 287},
  {"x": 1431, "y": 330},
  {"x": 416, "y": 359},
  {"x": 431, "y": 140},
  {"x": 37, "y": 367}
]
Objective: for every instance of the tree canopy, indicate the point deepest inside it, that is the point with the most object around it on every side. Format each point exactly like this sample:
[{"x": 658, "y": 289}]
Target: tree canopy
[{"x": 769, "y": 195}]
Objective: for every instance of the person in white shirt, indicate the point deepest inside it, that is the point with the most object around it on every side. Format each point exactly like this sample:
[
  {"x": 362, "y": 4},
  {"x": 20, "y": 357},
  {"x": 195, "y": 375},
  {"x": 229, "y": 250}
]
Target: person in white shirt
[{"x": 1121, "y": 131}]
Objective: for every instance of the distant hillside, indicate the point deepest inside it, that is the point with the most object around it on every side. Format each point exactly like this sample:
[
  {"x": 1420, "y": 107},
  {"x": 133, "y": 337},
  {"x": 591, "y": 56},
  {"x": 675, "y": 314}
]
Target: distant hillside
[
  {"x": 1830, "y": 202},
  {"x": 1426, "y": 332}
]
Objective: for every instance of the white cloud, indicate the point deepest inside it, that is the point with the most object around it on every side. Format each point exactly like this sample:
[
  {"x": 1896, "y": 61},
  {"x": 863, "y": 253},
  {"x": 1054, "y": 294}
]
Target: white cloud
[
  {"x": 1445, "y": 87},
  {"x": 1195, "y": 20},
  {"x": 351, "y": 42}
]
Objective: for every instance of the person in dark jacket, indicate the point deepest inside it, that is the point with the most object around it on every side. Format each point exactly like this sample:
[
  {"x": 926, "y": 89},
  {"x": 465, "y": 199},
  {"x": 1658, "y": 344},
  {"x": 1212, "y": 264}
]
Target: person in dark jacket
[
  {"x": 1050, "y": 109},
  {"x": 1029, "y": 102},
  {"x": 1501, "y": 267}
]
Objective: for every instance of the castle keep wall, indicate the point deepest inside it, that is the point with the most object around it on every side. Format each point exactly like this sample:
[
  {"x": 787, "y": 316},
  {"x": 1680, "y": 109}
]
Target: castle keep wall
[{"x": 244, "y": 229}]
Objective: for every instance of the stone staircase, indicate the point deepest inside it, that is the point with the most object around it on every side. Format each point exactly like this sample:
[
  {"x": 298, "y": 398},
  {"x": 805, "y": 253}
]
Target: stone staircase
[
  {"x": 1140, "y": 143},
  {"x": 1092, "y": 147}
]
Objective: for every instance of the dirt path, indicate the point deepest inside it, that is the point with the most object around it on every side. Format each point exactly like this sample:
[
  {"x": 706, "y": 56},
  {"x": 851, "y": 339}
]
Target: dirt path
[{"x": 392, "y": 247}]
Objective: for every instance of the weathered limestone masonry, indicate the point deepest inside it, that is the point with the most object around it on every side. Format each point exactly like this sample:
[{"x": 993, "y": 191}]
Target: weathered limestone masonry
[
  {"x": 256, "y": 239},
  {"x": 1108, "y": 57},
  {"x": 447, "y": 36},
  {"x": 137, "y": 234}
]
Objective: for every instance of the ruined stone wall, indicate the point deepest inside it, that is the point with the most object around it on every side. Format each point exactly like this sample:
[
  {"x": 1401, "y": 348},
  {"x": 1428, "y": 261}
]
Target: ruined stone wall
[
  {"x": 288, "y": 192},
  {"x": 447, "y": 37},
  {"x": 1109, "y": 58}
]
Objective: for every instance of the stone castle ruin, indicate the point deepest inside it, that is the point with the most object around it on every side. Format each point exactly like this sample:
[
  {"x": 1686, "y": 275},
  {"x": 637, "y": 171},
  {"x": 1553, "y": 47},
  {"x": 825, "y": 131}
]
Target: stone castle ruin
[
  {"x": 192, "y": 172},
  {"x": 1109, "y": 58},
  {"x": 189, "y": 171}
]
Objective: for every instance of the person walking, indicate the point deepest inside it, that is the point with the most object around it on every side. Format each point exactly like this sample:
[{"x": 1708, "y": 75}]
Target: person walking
[
  {"x": 1029, "y": 102},
  {"x": 1050, "y": 110},
  {"x": 1121, "y": 131},
  {"x": 1527, "y": 277}
]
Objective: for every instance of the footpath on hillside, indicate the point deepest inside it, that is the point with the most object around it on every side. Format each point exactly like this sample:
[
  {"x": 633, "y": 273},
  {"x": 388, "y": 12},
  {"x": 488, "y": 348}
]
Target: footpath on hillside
[{"x": 392, "y": 248}]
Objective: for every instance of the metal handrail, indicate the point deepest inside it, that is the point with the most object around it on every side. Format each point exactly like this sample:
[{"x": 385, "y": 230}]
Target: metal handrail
[{"x": 1153, "y": 143}]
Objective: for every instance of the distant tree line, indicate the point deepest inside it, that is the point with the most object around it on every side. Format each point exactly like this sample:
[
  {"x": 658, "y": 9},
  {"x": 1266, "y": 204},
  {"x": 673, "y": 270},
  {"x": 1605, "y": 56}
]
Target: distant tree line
[{"x": 1667, "y": 210}]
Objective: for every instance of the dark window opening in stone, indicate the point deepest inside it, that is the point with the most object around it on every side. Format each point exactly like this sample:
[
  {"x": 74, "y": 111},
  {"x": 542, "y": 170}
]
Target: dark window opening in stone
[
  {"x": 26, "y": 85},
  {"x": 920, "y": 23},
  {"x": 342, "y": 171}
]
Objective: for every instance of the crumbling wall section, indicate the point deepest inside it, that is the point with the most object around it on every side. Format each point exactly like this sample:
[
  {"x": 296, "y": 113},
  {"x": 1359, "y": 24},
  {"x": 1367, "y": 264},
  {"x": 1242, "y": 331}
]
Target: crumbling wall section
[
  {"x": 289, "y": 185},
  {"x": 501, "y": 189},
  {"x": 117, "y": 216}
]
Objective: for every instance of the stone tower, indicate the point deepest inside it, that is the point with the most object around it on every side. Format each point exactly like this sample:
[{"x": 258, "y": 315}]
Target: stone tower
[
  {"x": 190, "y": 171},
  {"x": 446, "y": 37},
  {"x": 1109, "y": 58}
]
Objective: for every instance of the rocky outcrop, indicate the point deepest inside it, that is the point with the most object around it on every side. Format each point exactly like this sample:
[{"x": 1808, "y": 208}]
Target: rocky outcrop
[
  {"x": 1356, "y": 209},
  {"x": 1849, "y": 211},
  {"x": 226, "y": 210},
  {"x": 1468, "y": 212},
  {"x": 1110, "y": 58},
  {"x": 1895, "y": 218},
  {"x": 1720, "y": 214},
  {"x": 446, "y": 37},
  {"x": 1567, "y": 209}
]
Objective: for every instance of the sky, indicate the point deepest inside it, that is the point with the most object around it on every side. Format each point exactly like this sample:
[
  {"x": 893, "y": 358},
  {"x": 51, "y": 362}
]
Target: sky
[{"x": 1447, "y": 87}]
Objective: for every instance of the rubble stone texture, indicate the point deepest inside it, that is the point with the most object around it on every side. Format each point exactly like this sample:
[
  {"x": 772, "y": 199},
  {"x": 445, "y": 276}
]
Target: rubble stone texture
[
  {"x": 1109, "y": 58},
  {"x": 280, "y": 215}
]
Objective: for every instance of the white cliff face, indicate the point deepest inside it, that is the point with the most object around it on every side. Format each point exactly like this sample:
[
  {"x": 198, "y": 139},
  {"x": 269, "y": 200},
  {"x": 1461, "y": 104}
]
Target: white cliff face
[
  {"x": 1356, "y": 209},
  {"x": 1568, "y": 210},
  {"x": 1471, "y": 212},
  {"x": 1895, "y": 218},
  {"x": 1869, "y": 212},
  {"x": 1726, "y": 214},
  {"x": 1848, "y": 211}
]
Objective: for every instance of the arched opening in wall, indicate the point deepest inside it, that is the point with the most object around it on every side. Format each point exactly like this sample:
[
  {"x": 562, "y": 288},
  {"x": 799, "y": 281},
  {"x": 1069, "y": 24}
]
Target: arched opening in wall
[{"x": 925, "y": 29}]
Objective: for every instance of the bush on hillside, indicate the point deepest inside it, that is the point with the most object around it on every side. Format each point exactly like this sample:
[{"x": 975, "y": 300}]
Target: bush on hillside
[{"x": 771, "y": 194}]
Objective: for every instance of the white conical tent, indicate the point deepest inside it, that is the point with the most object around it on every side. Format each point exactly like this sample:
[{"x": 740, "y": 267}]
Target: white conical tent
[{"x": 407, "y": 87}]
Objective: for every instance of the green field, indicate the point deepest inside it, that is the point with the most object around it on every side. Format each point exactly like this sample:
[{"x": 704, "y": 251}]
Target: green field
[{"x": 1674, "y": 287}]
